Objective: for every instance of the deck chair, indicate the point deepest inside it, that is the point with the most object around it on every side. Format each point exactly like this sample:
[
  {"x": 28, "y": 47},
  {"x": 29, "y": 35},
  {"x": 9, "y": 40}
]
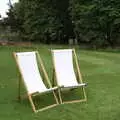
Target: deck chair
[
  {"x": 30, "y": 74},
  {"x": 65, "y": 74}
]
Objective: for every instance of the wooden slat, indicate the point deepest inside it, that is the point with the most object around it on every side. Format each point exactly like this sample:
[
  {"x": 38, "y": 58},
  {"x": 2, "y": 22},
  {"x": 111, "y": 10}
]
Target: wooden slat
[
  {"x": 59, "y": 92},
  {"x": 79, "y": 73},
  {"x": 46, "y": 76}
]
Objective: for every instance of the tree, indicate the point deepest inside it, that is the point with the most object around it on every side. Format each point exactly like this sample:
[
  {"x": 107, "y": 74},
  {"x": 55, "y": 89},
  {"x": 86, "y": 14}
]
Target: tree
[{"x": 93, "y": 22}]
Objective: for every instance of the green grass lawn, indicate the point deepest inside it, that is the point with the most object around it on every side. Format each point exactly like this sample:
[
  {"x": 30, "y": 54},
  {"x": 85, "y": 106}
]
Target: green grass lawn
[{"x": 101, "y": 70}]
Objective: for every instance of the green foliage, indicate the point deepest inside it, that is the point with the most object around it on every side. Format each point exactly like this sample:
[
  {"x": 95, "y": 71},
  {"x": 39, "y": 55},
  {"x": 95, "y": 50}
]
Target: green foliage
[
  {"x": 96, "y": 22},
  {"x": 39, "y": 20}
]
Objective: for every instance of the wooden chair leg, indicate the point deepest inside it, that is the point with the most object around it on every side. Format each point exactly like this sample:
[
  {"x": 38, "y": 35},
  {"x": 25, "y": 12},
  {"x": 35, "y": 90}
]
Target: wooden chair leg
[
  {"x": 85, "y": 96},
  {"x": 60, "y": 97},
  {"x": 32, "y": 104},
  {"x": 55, "y": 97}
]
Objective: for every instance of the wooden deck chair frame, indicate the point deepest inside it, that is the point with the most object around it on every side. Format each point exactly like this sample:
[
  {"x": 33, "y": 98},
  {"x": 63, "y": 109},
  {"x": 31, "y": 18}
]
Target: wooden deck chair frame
[
  {"x": 34, "y": 94},
  {"x": 79, "y": 80}
]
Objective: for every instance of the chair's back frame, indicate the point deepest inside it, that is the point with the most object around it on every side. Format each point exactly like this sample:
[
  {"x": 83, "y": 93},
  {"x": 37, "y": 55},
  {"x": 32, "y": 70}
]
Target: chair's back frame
[
  {"x": 79, "y": 80},
  {"x": 34, "y": 94}
]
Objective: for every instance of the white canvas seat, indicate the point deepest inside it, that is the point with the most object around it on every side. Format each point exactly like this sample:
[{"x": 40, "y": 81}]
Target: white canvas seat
[
  {"x": 64, "y": 69},
  {"x": 28, "y": 66}
]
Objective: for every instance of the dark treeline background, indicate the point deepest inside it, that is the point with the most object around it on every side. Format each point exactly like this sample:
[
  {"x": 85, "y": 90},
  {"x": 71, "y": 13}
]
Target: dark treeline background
[{"x": 92, "y": 22}]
